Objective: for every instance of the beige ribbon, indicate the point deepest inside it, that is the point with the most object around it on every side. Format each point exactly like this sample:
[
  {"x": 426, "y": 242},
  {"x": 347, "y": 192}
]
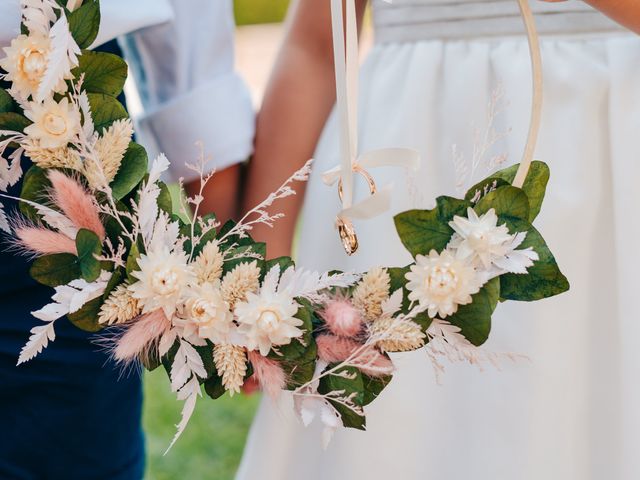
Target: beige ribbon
[{"x": 345, "y": 51}]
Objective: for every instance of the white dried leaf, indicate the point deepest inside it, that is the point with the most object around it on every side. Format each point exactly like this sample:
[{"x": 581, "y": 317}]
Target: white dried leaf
[
  {"x": 61, "y": 60},
  {"x": 38, "y": 341}
]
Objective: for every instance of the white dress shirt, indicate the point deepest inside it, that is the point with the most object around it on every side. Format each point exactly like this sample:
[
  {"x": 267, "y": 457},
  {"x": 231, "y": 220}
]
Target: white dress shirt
[{"x": 181, "y": 57}]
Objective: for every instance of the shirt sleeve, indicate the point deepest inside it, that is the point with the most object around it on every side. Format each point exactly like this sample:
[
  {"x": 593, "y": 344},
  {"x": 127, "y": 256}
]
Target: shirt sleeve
[{"x": 184, "y": 73}]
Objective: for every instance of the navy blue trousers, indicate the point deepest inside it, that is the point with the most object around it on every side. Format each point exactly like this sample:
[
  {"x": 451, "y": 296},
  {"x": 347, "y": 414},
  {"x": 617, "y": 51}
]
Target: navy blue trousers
[{"x": 68, "y": 414}]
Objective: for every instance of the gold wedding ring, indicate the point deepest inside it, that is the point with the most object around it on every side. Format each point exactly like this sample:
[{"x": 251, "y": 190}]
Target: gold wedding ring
[
  {"x": 347, "y": 235},
  {"x": 366, "y": 175},
  {"x": 345, "y": 226}
]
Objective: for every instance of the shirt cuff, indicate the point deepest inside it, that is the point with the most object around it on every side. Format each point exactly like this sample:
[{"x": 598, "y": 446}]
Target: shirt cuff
[{"x": 219, "y": 114}]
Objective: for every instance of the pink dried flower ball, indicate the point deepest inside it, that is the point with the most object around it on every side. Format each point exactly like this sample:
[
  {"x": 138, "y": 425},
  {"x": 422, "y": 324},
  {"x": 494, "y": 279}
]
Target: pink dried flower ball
[{"x": 342, "y": 318}]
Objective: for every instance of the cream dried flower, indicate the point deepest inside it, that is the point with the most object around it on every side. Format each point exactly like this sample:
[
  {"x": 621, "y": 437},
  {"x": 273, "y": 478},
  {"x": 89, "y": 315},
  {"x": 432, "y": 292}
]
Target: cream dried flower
[
  {"x": 208, "y": 265},
  {"x": 163, "y": 280},
  {"x": 397, "y": 335},
  {"x": 61, "y": 157},
  {"x": 243, "y": 279},
  {"x": 55, "y": 124},
  {"x": 25, "y": 62},
  {"x": 371, "y": 292},
  {"x": 206, "y": 315},
  {"x": 110, "y": 149},
  {"x": 266, "y": 319},
  {"x": 440, "y": 282},
  {"x": 120, "y": 307},
  {"x": 231, "y": 364}
]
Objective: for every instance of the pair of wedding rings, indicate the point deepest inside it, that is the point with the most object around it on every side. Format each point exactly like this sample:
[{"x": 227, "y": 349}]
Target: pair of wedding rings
[{"x": 345, "y": 225}]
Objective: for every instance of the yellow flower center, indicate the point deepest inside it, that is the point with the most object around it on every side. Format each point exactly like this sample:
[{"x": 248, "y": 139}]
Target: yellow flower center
[
  {"x": 268, "y": 320},
  {"x": 54, "y": 124},
  {"x": 34, "y": 64},
  {"x": 165, "y": 282},
  {"x": 442, "y": 280}
]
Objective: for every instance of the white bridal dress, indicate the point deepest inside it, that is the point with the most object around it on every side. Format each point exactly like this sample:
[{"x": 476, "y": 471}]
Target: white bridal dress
[{"x": 572, "y": 410}]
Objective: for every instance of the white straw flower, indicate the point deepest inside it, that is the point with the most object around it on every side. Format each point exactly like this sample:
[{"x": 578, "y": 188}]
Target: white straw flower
[
  {"x": 267, "y": 319},
  {"x": 441, "y": 282},
  {"x": 163, "y": 280},
  {"x": 26, "y": 62},
  {"x": 206, "y": 315},
  {"x": 54, "y": 124},
  {"x": 479, "y": 240}
]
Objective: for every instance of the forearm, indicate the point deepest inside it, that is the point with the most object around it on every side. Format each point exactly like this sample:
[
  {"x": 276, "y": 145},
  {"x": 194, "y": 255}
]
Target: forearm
[
  {"x": 220, "y": 193},
  {"x": 625, "y": 12},
  {"x": 297, "y": 103}
]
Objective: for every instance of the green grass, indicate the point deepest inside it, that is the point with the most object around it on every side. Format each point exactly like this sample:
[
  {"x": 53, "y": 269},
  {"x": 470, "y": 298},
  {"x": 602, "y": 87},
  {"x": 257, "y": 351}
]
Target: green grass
[
  {"x": 211, "y": 446},
  {"x": 249, "y": 12}
]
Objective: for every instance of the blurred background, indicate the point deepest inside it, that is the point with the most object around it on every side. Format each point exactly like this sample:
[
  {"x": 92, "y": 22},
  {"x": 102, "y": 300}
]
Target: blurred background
[{"x": 212, "y": 444}]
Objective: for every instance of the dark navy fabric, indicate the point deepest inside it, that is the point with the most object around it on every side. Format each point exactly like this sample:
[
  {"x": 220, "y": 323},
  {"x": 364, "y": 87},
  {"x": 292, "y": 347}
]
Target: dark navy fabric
[{"x": 69, "y": 414}]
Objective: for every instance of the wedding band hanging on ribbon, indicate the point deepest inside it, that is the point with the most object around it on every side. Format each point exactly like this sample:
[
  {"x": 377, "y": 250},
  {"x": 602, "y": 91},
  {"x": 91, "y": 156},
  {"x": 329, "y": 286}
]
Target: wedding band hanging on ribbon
[{"x": 346, "y": 71}]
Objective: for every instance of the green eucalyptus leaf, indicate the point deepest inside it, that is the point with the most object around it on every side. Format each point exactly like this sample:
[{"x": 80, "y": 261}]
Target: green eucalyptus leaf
[
  {"x": 474, "y": 319},
  {"x": 507, "y": 201},
  {"x": 535, "y": 185},
  {"x": 373, "y": 387},
  {"x": 132, "y": 261},
  {"x": 35, "y": 186},
  {"x": 14, "y": 122},
  {"x": 424, "y": 230},
  {"x": 480, "y": 189},
  {"x": 6, "y": 102},
  {"x": 105, "y": 110},
  {"x": 103, "y": 72},
  {"x": 87, "y": 317},
  {"x": 84, "y": 23},
  {"x": 353, "y": 384},
  {"x": 213, "y": 387},
  {"x": 398, "y": 280},
  {"x": 164, "y": 199},
  {"x": 88, "y": 245},
  {"x": 55, "y": 270},
  {"x": 131, "y": 172},
  {"x": 544, "y": 279},
  {"x": 258, "y": 248},
  {"x": 284, "y": 262},
  {"x": 116, "y": 279}
]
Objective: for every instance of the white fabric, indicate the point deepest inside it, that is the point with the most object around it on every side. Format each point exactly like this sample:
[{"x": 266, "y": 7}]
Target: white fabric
[
  {"x": 573, "y": 411},
  {"x": 405, "y": 20},
  {"x": 181, "y": 54}
]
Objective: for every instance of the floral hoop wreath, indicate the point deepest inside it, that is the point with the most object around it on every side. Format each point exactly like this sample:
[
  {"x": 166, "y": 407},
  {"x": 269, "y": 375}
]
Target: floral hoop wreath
[{"x": 201, "y": 299}]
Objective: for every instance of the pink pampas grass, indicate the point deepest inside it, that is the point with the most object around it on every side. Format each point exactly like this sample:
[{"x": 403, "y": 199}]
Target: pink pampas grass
[
  {"x": 43, "y": 241},
  {"x": 76, "y": 203},
  {"x": 333, "y": 349},
  {"x": 268, "y": 373},
  {"x": 342, "y": 318},
  {"x": 138, "y": 338}
]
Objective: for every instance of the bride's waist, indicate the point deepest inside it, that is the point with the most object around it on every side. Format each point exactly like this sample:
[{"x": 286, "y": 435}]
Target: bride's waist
[{"x": 414, "y": 20}]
